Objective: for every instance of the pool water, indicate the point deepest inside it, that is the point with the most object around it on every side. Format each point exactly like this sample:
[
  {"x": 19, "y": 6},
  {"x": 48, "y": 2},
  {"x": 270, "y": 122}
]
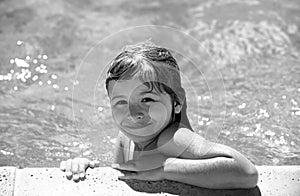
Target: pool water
[{"x": 256, "y": 45}]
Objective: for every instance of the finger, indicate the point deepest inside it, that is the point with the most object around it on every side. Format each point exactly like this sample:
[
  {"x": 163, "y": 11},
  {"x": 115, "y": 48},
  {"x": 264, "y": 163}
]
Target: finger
[
  {"x": 68, "y": 169},
  {"x": 129, "y": 176},
  {"x": 81, "y": 170},
  {"x": 63, "y": 166},
  {"x": 82, "y": 175},
  {"x": 76, "y": 177},
  {"x": 75, "y": 167},
  {"x": 82, "y": 165},
  {"x": 94, "y": 163},
  {"x": 124, "y": 166}
]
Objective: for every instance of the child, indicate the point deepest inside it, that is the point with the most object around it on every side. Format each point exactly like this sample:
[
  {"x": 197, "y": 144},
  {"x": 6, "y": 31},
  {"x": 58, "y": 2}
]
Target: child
[{"x": 156, "y": 140}]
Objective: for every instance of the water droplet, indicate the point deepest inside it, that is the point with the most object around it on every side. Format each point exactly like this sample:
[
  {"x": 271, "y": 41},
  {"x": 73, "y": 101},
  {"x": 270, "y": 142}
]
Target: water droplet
[
  {"x": 38, "y": 69},
  {"x": 200, "y": 122},
  {"x": 263, "y": 113},
  {"x": 66, "y": 88},
  {"x": 270, "y": 133},
  {"x": 19, "y": 42},
  {"x": 100, "y": 108},
  {"x": 43, "y": 71},
  {"x": 49, "y": 82},
  {"x": 11, "y": 61},
  {"x": 34, "y": 78},
  {"x": 23, "y": 80},
  {"x": 283, "y": 97},
  {"x": 8, "y": 77},
  {"x": 245, "y": 129},
  {"x": 15, "y": 88},
  {"x": 43, "y": 66},
  {"x": 294, "y": 102},
  {"x": 21, "y": 63},
  {"x": 242, "y": 106},
  {"x": 205, "y": 119},
  {"x": 27, "y": 58},
  {"x": 12, "y": 71},
  {"x": 53, "y": 76},
  {"x": 40, "y": 83},
  {"x": 206, "y": 97},
  {"x": 6, "y": 153},
  {"x": 39, "y": 56},
  {"x": 35, "y": 61},
  {"x": 53, "y": 107},
  {"x": 76, "y": 82},
  {"x": 45, "y": 57},
  {"x": 55, "y": 86},
  {"x": 114, "y": 140}
]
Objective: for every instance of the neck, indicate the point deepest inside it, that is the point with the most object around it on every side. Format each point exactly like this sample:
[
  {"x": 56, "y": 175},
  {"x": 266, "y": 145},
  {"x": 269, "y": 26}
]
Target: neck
[{"x": 145, "y": 145}]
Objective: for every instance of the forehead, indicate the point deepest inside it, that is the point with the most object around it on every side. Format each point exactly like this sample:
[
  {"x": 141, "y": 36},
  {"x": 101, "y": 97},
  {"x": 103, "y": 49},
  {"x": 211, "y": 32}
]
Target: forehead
[{"x": 125, "y": 87}]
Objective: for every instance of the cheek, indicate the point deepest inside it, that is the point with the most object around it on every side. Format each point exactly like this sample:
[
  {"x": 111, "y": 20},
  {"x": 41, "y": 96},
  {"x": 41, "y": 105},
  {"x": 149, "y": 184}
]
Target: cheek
[
  {"x": 158, "y": 112},
  {"x": 118, "y": 114}
]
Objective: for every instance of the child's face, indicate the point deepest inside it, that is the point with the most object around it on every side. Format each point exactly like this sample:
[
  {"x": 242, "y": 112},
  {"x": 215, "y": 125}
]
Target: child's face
[{"x": 140, "y": 114}]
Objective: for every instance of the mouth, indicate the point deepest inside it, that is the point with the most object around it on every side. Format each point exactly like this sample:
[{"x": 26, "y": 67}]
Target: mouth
[{"x": 135, "y": 125}]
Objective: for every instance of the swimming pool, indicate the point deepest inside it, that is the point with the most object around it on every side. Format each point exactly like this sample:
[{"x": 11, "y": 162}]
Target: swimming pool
[{"x": 256, "y": 45}]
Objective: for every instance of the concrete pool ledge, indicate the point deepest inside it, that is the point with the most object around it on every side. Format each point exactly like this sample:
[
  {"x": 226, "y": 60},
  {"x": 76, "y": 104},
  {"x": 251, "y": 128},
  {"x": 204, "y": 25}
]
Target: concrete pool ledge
[{"x": 273, "y": 180}]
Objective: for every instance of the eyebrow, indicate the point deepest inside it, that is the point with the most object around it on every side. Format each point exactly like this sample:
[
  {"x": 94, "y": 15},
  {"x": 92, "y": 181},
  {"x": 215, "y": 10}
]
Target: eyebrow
[
  {"x": 141, "y": 93},
  {"x": 146, "y": 92},
  {"x": 118, "y": 96}
]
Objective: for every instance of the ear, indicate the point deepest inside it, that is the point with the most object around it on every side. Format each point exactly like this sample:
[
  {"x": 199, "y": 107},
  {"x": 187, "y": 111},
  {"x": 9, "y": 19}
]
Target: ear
[{"x": 177, "y": 107}]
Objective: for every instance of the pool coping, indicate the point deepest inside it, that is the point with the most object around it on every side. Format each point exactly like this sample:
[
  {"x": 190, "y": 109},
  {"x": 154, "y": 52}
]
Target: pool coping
[{"x": 273, "y": 180}]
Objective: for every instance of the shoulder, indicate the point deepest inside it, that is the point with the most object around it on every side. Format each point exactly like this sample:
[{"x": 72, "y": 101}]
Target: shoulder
[
  {"x": 182, "y": 142},
  {"x": 175, "y": 140}
]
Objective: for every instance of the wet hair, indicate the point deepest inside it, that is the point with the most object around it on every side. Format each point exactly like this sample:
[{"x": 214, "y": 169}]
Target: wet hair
[{"x": 155, "y": 67}]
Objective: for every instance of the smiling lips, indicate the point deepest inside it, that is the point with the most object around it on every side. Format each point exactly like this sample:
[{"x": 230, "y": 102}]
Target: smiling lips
[{"x": 136, "y": 125}]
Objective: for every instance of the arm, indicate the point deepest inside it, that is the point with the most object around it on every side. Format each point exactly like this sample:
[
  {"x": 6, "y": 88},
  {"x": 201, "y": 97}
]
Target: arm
[
  {"x": 203, "y": 163},
  {"x": 118, "y": 153}
]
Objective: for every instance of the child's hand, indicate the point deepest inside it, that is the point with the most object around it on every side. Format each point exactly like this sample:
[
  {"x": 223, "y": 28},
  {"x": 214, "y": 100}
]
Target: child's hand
[
  {"x": 149, "y": 175},
  {"x": 149, "y": 167},
  {"x": 76, "y": 167}
]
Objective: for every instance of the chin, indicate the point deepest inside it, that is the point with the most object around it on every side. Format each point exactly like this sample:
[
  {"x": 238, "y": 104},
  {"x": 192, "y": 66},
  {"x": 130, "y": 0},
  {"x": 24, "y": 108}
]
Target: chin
[{"x": 139, "y": 138}]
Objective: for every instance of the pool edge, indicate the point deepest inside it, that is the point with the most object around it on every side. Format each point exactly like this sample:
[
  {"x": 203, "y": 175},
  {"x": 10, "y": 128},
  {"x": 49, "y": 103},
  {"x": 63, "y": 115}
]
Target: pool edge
[{"x": 273, "y": 180}]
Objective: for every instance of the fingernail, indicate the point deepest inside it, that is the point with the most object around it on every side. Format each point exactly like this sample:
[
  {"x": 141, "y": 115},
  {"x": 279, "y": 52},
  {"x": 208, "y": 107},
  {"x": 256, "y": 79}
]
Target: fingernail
[
  {"x": 81, "y": 175},
  {"x": 75, "y": 177},
  {"x": 68, "y": 174}
]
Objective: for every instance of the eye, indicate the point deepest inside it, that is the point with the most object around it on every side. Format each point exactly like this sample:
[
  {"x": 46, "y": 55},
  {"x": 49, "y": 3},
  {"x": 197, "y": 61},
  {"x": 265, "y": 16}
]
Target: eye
[
  {"x": 147, "y": 99},
  {"x": 121, "y": 102}
]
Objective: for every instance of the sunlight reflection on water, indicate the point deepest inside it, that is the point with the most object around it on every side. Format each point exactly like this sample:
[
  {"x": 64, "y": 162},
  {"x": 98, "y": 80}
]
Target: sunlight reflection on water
[{"x": 255, "y": 44}]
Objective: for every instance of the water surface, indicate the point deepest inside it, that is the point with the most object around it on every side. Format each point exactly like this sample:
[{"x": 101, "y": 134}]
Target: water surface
[{"x": 256, "y": 45}]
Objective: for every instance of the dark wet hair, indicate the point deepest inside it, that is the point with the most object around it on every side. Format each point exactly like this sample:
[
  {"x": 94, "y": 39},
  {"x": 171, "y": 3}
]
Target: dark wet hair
[{"x": 156, "y": 68}]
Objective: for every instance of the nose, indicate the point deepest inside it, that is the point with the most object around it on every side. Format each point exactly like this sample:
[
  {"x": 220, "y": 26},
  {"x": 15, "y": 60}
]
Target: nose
[{"x": 137, "y": 112}]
